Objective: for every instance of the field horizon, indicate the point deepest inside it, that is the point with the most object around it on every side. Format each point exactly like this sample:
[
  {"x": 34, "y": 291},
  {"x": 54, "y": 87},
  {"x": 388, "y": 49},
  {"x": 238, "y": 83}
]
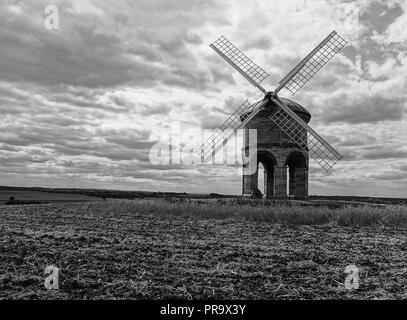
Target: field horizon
[{"x": 89, "y": 193}]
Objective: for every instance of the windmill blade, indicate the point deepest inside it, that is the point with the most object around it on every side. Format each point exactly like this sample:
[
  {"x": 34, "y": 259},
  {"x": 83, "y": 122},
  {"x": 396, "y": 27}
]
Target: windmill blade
[
  {"x": 238, "y": 119},
  {"x": 302, "y": 134},
  {"x": 312, "y": 63},
  {"x": 238, "y": 60}
]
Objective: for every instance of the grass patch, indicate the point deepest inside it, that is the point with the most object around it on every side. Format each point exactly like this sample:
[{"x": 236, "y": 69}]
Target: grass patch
[{"x": 363, "y": 216}]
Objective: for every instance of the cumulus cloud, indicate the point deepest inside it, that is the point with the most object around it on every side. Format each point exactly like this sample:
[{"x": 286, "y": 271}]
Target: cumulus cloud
[
  {"x": 362, "y": 109},
  {"x": 101, "y": 45}
]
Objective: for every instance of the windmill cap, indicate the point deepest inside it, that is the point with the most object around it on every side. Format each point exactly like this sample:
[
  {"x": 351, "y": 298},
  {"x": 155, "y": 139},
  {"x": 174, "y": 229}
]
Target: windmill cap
[{"x": 296, "y": 107}]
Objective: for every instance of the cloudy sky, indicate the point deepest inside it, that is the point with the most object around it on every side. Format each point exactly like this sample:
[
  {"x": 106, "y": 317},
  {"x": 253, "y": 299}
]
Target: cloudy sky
[{"x": 83, "y": 105}]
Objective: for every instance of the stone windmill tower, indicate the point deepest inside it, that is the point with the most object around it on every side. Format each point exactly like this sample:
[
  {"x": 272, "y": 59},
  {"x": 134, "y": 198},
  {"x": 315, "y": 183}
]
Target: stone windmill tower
[
  {"x": 285, "y": 141},
  {"x": 285, "y": 163}
]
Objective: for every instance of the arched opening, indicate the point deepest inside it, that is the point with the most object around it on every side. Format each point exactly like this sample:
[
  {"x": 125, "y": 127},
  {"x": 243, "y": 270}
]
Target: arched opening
[
  {"x": 297, "y": 175},
  {"x": 265, "y": 173}
]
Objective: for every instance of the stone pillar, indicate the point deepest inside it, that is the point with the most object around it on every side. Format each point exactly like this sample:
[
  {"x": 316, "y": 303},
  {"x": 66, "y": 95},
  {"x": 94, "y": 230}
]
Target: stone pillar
[
  {"x": 255, "y": 179},
  {"x": 269, "y": 178},
  {"x": 250, "y": 182},
  {"x": 301, "y": 185},
  {"x": 306, "y": 182},
  {"x": 280, "y": 181},
  {"x": 291, "y": 182},
  {"x": 247, "y": 185}
]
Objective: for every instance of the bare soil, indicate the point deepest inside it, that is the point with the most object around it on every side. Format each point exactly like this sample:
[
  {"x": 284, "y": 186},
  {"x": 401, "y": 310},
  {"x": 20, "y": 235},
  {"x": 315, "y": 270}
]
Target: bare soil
[{"x": 105, "y": 255}]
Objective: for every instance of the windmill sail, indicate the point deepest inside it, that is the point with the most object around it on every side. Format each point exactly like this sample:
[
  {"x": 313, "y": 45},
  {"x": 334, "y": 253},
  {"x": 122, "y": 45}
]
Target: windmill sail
[
  {"x": 302, "y": 134},
  {"x": 238, "y": 60},
  {"x": 286, "y": 119},
  {"x": 238, "y": 119},
  {"x": 312, "y": 63}
]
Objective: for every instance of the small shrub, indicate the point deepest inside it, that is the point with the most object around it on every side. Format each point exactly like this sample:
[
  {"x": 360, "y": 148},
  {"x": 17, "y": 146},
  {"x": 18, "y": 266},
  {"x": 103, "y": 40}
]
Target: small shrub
[{"x": 256, "y": 194}]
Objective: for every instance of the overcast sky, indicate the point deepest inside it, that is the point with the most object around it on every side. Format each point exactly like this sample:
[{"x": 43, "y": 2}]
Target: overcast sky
[{"x": 82, "y": 106}]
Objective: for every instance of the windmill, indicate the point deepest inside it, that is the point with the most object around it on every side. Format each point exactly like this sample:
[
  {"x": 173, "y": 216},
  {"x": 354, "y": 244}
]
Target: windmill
[{"x": 288, "y": 121}]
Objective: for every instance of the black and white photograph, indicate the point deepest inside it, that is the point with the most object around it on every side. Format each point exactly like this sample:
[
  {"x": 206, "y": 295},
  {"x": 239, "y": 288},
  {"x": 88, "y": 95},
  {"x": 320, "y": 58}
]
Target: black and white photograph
[{"x": 221, "y": 151}]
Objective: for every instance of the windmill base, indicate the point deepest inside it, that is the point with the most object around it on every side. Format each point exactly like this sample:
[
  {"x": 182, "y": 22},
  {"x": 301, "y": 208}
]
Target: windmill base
[
  {"x": 288, "y": 197},
  {"x": 285, "y": 175}
]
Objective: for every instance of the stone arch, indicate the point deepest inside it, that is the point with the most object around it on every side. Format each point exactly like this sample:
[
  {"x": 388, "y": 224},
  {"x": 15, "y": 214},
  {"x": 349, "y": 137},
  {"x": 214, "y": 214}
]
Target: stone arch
[
  {"x": 297, "y": 174},
  {"x": 268, "y": 161},
  {"x": 250, "y": 180}
]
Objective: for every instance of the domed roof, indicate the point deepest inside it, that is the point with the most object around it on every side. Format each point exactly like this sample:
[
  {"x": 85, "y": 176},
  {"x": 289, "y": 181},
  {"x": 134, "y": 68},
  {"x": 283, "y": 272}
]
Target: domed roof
[
  {"x": 297, "y": 108},
  {"x": 271, "y": 107}
]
